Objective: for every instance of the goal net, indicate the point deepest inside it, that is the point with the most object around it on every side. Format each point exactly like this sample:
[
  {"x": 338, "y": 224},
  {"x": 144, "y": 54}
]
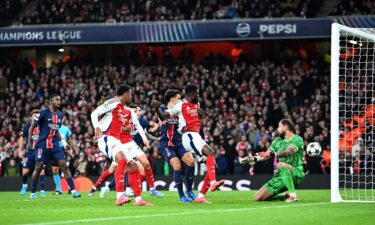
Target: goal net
[{"x": 352, "y": 114}]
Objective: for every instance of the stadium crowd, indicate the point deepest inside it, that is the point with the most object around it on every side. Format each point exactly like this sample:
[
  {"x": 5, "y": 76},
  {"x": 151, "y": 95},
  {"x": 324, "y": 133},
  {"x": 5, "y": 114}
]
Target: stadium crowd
[
  {"x": 243, "y": 102},
  {"x": 357, "y": 7},
  {"x": 115, "y": 11},
  {"x": 27, "y": 12}
]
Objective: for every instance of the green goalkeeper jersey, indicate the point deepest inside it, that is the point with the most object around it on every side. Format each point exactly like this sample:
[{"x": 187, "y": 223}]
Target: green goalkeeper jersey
[{"x": 296, "y": 160}]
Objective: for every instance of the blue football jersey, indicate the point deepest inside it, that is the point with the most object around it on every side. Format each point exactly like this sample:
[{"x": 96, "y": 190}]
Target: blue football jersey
[
  {"x": 65, "y": 132},
  {"x": 48, "y": 124},
  {"x": 34, "y": 137},
  {"x": 169, "y": 131},
  {"x": 136, "y": 136}
]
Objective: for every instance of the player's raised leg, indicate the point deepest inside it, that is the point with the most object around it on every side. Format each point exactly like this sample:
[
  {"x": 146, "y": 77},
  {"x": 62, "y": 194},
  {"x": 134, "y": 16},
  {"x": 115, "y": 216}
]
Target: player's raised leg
[
  {"x": 103, "y": 177},
  {"x": 210, "y": 178}
]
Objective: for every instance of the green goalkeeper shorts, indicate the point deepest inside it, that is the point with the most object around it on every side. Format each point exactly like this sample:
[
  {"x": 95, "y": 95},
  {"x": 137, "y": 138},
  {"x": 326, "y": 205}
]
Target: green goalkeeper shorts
[{"x": 276, "y": 185}]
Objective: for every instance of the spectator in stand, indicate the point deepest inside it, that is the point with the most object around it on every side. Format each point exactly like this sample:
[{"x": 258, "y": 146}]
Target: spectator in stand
[
  {"x": 221, "y": 161},
  {"x": 243, "y": 145}
]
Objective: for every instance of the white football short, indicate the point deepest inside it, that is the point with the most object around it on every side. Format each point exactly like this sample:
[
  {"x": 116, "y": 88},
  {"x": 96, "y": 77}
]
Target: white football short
[{"x": 110, "y": 146}]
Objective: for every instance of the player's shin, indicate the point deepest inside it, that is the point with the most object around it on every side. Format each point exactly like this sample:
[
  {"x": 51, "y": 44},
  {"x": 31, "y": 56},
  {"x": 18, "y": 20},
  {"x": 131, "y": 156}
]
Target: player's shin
[
  {"x": 42, "y": 180},
  {"x": 287, "y": 178},
  {"x": 150, "y": 177},
  {"x": 120, "y": 177},
  {"x": 135, "y": 182},
  {"x": 102, "y": 178},
  {"x": 57, "y": 180},
  {"x": 210, "y": 164},
  {"x": 189, "y": 178},
  {"x": 205, "y": 186},
  {"x": 178, "y": 180}
]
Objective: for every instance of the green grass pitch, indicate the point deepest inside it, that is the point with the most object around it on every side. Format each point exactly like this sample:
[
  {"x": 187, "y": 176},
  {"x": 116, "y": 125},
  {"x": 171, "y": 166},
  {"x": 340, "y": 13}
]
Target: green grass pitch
[{"x": 226, "y": 208}]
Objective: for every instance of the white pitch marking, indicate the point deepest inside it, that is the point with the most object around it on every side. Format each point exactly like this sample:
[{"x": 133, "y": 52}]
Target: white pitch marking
[{"x": 171, "y": 214}]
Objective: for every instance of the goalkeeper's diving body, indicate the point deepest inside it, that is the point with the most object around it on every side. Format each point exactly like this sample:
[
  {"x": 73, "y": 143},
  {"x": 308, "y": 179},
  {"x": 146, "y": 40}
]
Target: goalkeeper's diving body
[{"x": 288, "y": 150}]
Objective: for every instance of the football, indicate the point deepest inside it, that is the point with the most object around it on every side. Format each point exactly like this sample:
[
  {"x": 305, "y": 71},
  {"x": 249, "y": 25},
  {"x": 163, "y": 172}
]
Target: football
[{"x": 314, "y": 149}]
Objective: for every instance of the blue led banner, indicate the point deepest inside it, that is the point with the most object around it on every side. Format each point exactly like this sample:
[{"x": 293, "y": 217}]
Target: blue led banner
[{"x": 181, "y": 31}]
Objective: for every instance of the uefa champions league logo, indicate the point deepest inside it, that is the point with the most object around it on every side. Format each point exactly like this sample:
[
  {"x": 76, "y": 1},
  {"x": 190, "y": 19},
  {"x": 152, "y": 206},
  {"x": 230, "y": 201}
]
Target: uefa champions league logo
[{"x": 243, "y": 30}]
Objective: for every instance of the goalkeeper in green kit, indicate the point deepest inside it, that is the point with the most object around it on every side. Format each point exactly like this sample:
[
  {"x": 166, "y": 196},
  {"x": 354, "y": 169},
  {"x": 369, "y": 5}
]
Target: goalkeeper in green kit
[{"x": 288, "y": 150}]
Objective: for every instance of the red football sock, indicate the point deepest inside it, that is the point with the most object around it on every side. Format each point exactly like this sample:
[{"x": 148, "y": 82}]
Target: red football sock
[
  {"x": 120, "y": 175},
  {"x": 141, "y": 177},
  {"x": 206, "y": 184},
  {"x": 102, "y": 178},
  {"x": 210, "y": 164},
  {"x": 135, "y": 182},
  {"x": 149, "y": 177}
]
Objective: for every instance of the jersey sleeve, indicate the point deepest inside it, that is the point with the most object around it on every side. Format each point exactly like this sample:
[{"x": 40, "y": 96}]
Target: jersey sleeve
[
  {"x": 39, "y": 117},
  {"x": 273, "y": 145},
  {"x": 297, "y": 143},
  {"x": 177, "y": 108},
  {"x": 108, "y": 106},
  {"x": 137, "y": 125},
  {"x": 144, "y": 123}
]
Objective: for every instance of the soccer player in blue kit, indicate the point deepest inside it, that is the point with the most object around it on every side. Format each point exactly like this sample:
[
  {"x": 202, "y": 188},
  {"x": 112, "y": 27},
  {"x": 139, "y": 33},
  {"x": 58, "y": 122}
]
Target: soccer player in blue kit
[
  {"x": 47, "y": 146},
  {"x": 28, "y": 161},
  {"x": 174, "y": 152}
]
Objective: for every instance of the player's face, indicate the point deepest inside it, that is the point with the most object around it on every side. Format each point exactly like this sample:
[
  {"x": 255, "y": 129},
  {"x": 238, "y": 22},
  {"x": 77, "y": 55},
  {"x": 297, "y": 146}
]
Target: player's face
[
  {"x": 34, "y": 116},
  {"x": 195, "y": 97},
  {"x": 128, "y": 96},
  {"x": 281, "y": 130},
  {"x": 56, "y": 101},
  {"x": 175, "y": 98},
  {"x": 138, "y": 111}
]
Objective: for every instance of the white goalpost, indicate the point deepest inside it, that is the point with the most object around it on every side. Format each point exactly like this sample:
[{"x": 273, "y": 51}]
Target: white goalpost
[{"x": 352, "y": 114}]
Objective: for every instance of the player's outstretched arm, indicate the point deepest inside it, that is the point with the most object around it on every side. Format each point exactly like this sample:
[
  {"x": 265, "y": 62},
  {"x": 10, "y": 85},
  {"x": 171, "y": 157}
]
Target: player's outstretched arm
[
  {"x": 156, "y": 106},
  {"x": 153, "y": 126},
  {"x": 291, "y": 150},
  {"x": 152, "y": 137}
]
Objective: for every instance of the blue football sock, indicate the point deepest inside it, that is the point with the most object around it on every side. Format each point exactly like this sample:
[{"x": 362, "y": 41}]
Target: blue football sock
[
  {"x": 112, "y": 184},
  {"x": 42, "y": 182},
  {"x": 33, "y": 185},
  {"x": 178, "y": 180},
  {"x": 71, "y": 183},
  {"x": 56, "y": 178},
  {"x": 189, "y": 177}
]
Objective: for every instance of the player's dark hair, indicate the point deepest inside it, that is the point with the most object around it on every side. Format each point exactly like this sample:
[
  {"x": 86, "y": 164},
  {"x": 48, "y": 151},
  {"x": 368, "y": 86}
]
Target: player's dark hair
[
  {"x": 122, "y": 89},
  {"x": 288, "y": 123},
  {"x": 53, "y": 95},
  {"x": 190, "y": 89},
  {"x": 35, "y": 111},
  {"x": 170, "y": 93}
]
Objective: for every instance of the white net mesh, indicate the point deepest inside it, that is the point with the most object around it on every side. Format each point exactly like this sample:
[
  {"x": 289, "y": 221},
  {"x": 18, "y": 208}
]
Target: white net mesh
[{"x": 357, "y": 115}]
